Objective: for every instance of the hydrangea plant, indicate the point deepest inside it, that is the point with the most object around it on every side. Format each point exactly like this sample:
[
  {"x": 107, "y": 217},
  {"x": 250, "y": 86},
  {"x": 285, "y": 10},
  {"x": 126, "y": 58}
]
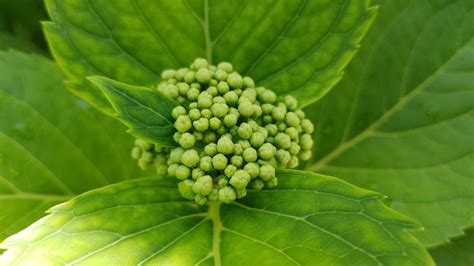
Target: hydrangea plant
[{"x": 234, "y": 134}]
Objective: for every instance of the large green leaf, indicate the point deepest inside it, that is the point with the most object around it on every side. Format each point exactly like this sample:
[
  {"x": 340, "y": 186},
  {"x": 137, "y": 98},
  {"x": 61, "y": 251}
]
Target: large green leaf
[
  {"x": 145, "y": 221},
  {"x": 147, "y": 112},
  {"x": 460, "y": 252},
  {"x": 402, "y": 121},
  {"x": 52, "y": 145},
  {"x": 298, "y": 46}
]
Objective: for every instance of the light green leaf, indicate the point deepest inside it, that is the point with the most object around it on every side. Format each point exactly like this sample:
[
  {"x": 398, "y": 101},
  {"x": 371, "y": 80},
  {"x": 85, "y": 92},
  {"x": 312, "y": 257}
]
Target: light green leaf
[
  {"x": 145, "y": 221},
  {"x": 52, "y": 145},
  {"x": 459, "y": 252},
  {"x": 296, "y": 47},
  {"x": 402, "y": 121},
  {"x": 147, "y": 112}
]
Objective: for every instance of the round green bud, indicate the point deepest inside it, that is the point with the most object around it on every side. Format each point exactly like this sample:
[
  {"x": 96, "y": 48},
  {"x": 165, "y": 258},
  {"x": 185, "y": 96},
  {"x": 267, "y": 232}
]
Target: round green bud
[
  {"x": 210, "y": 149},
  {"x": 292, "y": 119},
  {"x": 136, "y": 153},
  {"x": 225, "y": 145},
  {"x": 178, "y": 111},
  {"x": 300, "y": 114},
  {"x": 267, "y": 119},
  {"x": 168, "y": 74},
  {"x": 147, "y": 157},
  {"x": 203, "y": 185},
  {"x": 292, "y": 133},
  {"x": 221, "y": 130},
  {"x": 299, "y": 129},
  {"x": 218, "y": 99},
  {"x": 272, "y": 129},
  {"x": 209, "y": 137},
  {"x": 293, "y": 163},
  {"x": 244, "y": 131},
  {"x": 197, "y": 173},
  {"x": 290, "y": 102},
  {"x": 196, "y": 85},
  {"x": 143, "y": 144},
  {"x": 294, "y": 148},
  {"x": 172, "y": 91},
  {"x": 253, "y": 125},
  {"x": 231, "y": 97},
  {"x": 187, "y": 140},
  {"x": 252, "y": 169},
  {"x": 283, "y": 157},
  {"x": 223, "y": 87},
  {"x": 230, "y": 120},
  {"x": 222, "y": 182},
  {"x": 281, "y": 126},
  {"x": 201, "y": 125},
  {"x": 206, "y": 163},
  {"x": 212, "y": 90},
  {"x": 172, "y": 169},
  {"x": 219, "y": 161},
  {"x": 204, "y": 100},
  {"x": 227, "y": 194},
  {"x": 194, "y": 114},
  {"x": 181, "y": 100},
  {"x": 267, "y": 108},
  {"x": 206, "y": 113},
  {"x": 244, "y": 143},
  {"x": 257, "y": 139},
  {"x": 214, "y": 196},
  {"x": 248, "y": 82},
  {"x": 203, "y": 75},
  {"x": 185, "y": 188},
  {"x": 183, "y": 88},
  {"x": 183, "y": 123},
  {"x": 307, "y": 126},
  {"x": 220, "y": 75},
  {"x": 236, "y": 160},
  {"x": 215, "y": 123},
  {"x": 213, "y": 82},
  {"x": 257, "y": 184},
  {"x": 200, "y": 63},
  {"x": 278, "y": 113},
  {"x": 192, "y": 94},
  {"x": 234, "y": 111},
  {"x": 190, "y": 158},
  {"x": 193, "y": 105},
  {"x": 190, "y": 77},
  {"x": 238, "y": 149},
  {"x": 227, "y": 67},
  {"x": 305, "y": 155},
  {"x": 257, "y": 110},
  {"x": 201, "y": 200},
  {"x": 240, "y": 193},
  {"x": 268, "y": 96},
  {"x": 272, "y": 183},
  {"x": 180, "y": 74},
  {"x": 182, "y": 172},
  {"x": 230, "y": 170},
  {"x": 240, "y": 179},
  {"x": 198, "y": 136},
  {"x": 267, "y": 172},
  {"x": 282, "y": 140},
  {"x": 263, "y": 131},
  {"x": 249, "y": 155},
  {"x": 235, "y": 80},
  {"x": 161, "y": 170},
  {"x": 219, "y": 109},
  {"x": 306, "y": 142},
  {"x": 266, "y": 151}
]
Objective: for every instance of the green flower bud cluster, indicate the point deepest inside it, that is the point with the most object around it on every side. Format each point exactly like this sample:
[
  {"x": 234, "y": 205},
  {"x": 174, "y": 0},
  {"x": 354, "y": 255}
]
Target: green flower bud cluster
[
  {"x": 149, "y": 154},
  {"x": 231, "y": 135}
]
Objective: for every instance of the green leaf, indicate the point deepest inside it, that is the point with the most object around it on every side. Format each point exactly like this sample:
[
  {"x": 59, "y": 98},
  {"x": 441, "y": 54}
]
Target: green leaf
[
  {"x": 309, "y": 217},
  {"x": 294, "y": 47},
  {"x": 147, "y": 112},
  {"x": 458, "y": 252},
  {"x": 402, "y": 121},
  {"x": 52, "y": 144}
]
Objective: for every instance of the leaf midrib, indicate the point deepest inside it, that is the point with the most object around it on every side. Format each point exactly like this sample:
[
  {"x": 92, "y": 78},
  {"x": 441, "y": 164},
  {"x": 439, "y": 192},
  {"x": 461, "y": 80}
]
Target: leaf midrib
[{"x": 403, "y": 101}]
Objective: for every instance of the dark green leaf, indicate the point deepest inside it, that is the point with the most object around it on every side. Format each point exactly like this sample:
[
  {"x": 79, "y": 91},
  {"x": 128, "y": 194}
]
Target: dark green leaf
[
  {"x": 310, "y": 218},
  {"x": 458, "y": 252},
  {"x": 402, "y": 122},
  {"x": 147, "y": 112},
  {"x": 296, "y": 47}
]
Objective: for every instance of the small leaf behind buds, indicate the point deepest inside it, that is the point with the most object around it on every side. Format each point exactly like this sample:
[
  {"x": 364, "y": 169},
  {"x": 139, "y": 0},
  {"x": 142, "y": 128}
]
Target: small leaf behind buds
[{"x": 145, "y": 111}]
